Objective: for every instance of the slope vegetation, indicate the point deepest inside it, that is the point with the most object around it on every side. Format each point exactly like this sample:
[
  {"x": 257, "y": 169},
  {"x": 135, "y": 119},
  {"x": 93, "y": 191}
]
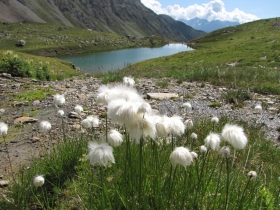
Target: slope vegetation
[{"x": 124, "y": 17}]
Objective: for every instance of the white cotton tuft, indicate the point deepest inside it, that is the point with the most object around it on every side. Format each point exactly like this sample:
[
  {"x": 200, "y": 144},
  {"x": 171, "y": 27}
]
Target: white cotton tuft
[
  {"x": 194, "y": 155},
  {"x": 215, "y": 120},
  {"x": 115, "y": 138},
  {"x": 45, "y": 126},
  {"x": 162, "y": 125},
  {"x": 59, "y": 100},
  {"x": 225, "y": 152},
  {"x": 203, "y": 149},
  {"x": 100, "y": 154},
  {"x": 258, "y": 107},
  {"x": 39, "y": 181},
  {"x": 213, "y": 140},
  {"x": 235, "y": 136},
  {"x": 252, "y": 174},
  {"x": 194, "y": 136},
  {"x": 128, "y": 81},
  {"x": 176, "y": 125},
  {"x": 78, "y": 109},
  {"x": 3, "y": 129},
  {"x": 2, "y": 111},
  {"x": 187, "y": 105},
  {"x": 60, "y": 113},
  {"x": 188, "y": 123},
  {"x": 182, "y": 156}
]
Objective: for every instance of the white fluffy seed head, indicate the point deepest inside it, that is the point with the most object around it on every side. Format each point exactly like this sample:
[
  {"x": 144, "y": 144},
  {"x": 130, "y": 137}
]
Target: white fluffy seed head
[
  {"x": 194, "y": 136},
  {"x": 213, "y": 141},
  {"x": 194, "y": 155},
  {"x": 215, "y": 120},
  {"x": 225, "y": 152},
  {"x": 252, "y": 174},
  {"x": 78, "y": 109},
  {"x": 100, "y": 154},
  {"x": 59, "y": 100},
  {"x": 115, "y": 138},
  {"x": 39, "y": 181},
  {"x": 2, "y": 111},
  {"x": 176, "y": 125},
  {"x": 182, "y": 156},
  {"x": 188, "y": 123},
  {"x": 187, "y": 105},
  {"x": 235, "y": 136},
  {"x": 203, "y": 149},
  {"x": 3, "y": 129},
  {"x": 128, "y": 81},
  {"x": 60, "y": 113},
  {"x": 94, "y": 120},
  {"x": 45, "y": 126},
  {"x": 258, "y": 107}
]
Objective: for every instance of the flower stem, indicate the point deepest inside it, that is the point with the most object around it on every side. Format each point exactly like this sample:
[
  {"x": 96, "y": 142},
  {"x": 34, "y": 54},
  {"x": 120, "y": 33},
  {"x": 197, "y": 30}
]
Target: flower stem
[{"x": 227, "y": 184}]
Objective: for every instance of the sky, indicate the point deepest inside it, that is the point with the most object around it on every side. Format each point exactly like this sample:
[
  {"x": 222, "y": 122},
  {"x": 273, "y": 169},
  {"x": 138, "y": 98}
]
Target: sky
[{"x": 241, "y": 11}]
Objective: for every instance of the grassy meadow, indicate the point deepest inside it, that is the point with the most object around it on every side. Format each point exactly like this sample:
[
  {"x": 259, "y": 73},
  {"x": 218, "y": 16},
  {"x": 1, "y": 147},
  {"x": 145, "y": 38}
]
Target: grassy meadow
[{"x": 139, "y": 173}]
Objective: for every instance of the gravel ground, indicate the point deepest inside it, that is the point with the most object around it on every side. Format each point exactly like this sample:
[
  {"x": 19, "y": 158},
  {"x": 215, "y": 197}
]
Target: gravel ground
[{"x": 25, "y": 140}]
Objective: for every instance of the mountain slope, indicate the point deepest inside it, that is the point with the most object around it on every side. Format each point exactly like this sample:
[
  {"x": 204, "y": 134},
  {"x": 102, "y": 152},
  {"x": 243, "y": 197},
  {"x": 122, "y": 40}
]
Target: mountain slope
[
  {"x": 124, "y": 17},
  {"x": 208, "y": 26}
]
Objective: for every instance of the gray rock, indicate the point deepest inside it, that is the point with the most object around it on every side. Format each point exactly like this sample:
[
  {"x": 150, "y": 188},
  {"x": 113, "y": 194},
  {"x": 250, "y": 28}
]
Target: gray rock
[
  {"x": 20, "y": 43},
  {"x": 161, "y": 96}
]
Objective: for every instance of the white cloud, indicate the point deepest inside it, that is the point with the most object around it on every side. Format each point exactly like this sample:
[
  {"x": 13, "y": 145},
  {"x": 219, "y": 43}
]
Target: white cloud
[{"x": 213, "y": 10}]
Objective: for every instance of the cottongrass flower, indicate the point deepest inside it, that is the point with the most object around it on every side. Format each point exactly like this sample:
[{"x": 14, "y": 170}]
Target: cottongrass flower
[
  {"x": 252, "y": 174},
  {"x": 187, "y": 105},
  {"x": 45, "y": 126},
  {"x": 194, "y": 155},
  {"x": 39, "y": 181},
  {"x": 100, "y": 154},
  {"x": 188, "y": 123},
  {"x": 235, "y": 136},
  {"x": 176, "y": 125},
  {"x": 2, "y": 111},
  {"x": 59, "y": 100},
  {"x": 215, "y": 120},
  {"x": 86, "y": 123},
  {"x": 182, "y": 156},
  {"x": 60, "y": 113},
  {"x": 203, "y": 149},
  {"x": 90, "y": 122},
  {"x": 225, "y": 152},
  {"x": 115, "y": 138},
  {"x": 128, "y": 81},
  {"x": 258, "y": 107},
  {"x": 194, "y": 136},
  {"x": 3, "y": 129},
  {"x": 79, "y": 109},
  {"x": 213, "y": 140},
  {"x": 107, "y": 94},
  {"x": 94, "y": 120}
]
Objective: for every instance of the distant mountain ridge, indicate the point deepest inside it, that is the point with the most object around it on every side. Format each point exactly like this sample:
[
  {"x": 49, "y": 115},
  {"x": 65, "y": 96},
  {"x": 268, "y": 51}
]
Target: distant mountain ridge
[
  {"x": 208, "y": 26},
  {"x": 124, "y": 17}
]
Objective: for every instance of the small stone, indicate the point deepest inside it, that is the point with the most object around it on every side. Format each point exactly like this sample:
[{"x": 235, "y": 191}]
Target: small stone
[
  {"x": 74, "y": 115},
  {"x": 14, "y": 141},
  {"x": 35, "y": 139},
  {"x": 4, "y": 183},
  {"x": 22, "y": 120},
  {"x": 36, "y": 103}
]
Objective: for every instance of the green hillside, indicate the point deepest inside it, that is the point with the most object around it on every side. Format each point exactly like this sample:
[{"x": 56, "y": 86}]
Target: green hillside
[{"x": 245, "y": 56}]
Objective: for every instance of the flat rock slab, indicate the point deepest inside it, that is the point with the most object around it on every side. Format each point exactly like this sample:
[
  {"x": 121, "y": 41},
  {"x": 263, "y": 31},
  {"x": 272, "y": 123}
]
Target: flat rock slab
[
  {"x": 22, "y": 120},
  {"x": 161, "y": 96}
]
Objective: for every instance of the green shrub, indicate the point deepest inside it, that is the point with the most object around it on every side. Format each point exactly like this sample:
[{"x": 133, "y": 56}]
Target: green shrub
[{"x": 18, "y": 67}]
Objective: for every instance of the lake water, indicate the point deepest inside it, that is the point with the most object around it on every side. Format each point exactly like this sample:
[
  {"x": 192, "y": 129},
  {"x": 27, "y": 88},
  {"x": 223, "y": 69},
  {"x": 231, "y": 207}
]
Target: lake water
[{"x": 118, "y": 59}]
